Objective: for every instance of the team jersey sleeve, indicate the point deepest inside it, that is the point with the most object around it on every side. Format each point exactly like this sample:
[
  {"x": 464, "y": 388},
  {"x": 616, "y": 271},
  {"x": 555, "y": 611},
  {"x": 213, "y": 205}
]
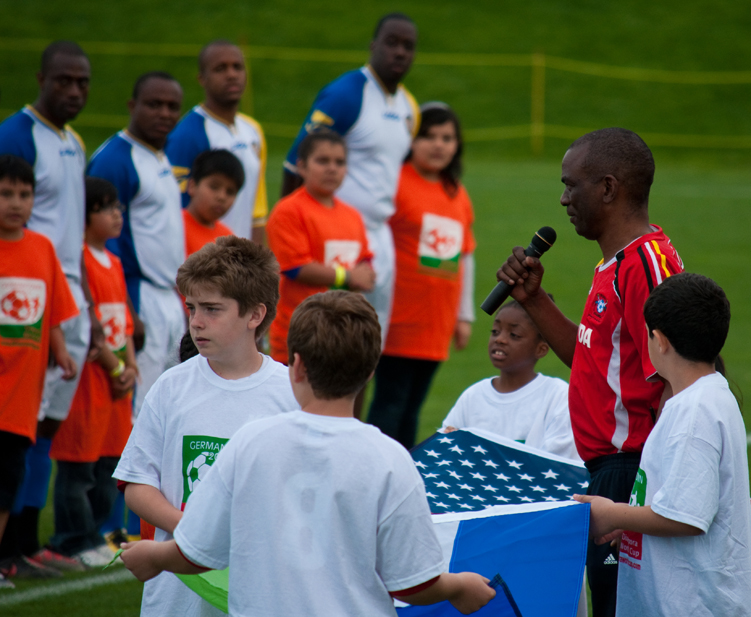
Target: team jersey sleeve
[
  {"x": 261, "y": 204},
  {"x": 288, "y": 239},
  {"x": 184, "y": 144},
  {"x": 469, "y": 243},
  {"x": 62, "y": 303},
  {"x": 141, "y": 461},
  {"x": 16, "y": 137},
  {"x": 336, "y": 108},
  {"x": 204, "y": 532}
]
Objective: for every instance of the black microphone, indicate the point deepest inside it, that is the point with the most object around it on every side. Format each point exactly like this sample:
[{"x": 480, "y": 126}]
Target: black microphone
[{"x": 541, "y": 242}]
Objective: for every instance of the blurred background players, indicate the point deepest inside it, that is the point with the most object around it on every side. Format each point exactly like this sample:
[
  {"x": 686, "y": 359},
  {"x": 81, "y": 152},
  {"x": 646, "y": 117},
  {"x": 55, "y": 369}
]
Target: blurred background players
[
  {"x": 377, "y": 118},
  {"x": 215, "y": 180},
  {"x": 320, "y": 241},
  {"x": 216, "y": 123},
  {"x": 432, "y": 229},
  {"x": 90, "y": 441},
  {"x": 40, "y": 135},
  {"x": 152, "y": 243}
]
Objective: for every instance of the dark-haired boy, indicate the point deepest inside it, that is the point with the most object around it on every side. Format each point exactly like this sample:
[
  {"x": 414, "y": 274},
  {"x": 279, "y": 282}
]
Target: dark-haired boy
[
  {"x": 34, "y": 300},
  {"x": 334, "y": 515},
  {"x": 687, "y": 527},
  {"x": 231, "y": 288},
  {"x": 215, "y": 180}
]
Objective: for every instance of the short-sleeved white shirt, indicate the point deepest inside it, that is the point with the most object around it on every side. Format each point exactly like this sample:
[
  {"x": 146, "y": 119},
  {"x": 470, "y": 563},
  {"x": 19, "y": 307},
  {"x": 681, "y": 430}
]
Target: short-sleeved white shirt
[
  {"x": 536, "y": 414},
  {"x": 315, "y": 515},
  {"x": 186, "y": 419},
  {"x": 694, "y": 470}
]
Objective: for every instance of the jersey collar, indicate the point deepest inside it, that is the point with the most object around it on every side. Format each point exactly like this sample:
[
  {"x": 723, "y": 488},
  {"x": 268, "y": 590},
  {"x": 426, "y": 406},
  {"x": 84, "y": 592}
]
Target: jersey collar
[
  {"x": 158, "y": 153},
  {"x": 213, "y": 116},
  {"x": 61, "y": 132},
  {"x": 378, "y": 81}
]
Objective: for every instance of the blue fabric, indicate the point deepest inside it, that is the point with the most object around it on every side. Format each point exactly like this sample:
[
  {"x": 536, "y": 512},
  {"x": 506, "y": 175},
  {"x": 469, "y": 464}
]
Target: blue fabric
[
  {"x": 116, "y": 519},
  {"x": 36, "y": 482},
  {"x": 186, "y": 142},
  {"x": 113, "y": 161},
  {"x": 341, "y": 100},
  {"x": 133, "y": 524},
  {"x": 539, "y": 555},
  {"x": 16, "y": 137}
]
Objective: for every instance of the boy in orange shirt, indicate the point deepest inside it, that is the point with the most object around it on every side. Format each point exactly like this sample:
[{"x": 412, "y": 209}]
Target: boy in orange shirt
[
  {"x": 102, "y": 407},
  {"x": 319, "y": 241},
  {"x": 215, "y": 179},
  {"x": 34, "y": 300}
]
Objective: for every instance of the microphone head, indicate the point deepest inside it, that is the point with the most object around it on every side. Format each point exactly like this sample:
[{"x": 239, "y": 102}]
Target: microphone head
[{"x": 543, "y": 239}]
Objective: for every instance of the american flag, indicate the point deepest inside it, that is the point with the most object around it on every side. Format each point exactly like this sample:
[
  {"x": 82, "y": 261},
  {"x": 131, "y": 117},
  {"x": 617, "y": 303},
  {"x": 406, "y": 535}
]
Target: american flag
[{"x": 470, "y": 470}]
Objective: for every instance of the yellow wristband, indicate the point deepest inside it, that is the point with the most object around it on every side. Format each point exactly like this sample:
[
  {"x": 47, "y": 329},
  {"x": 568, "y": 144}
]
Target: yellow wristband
[
  {"x": 118, "y": 370},
  {"x": 340, "y": 277}
]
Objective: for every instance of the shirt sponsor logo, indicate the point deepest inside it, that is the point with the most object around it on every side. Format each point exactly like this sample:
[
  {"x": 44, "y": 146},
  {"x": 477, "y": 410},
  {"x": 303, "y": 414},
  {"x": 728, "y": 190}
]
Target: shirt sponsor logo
[
  {"x": 112, "y": 318},
  {"x": 631, "y": 542},
  {"x": 68, "y": 152},
  {"x": 585, "y": 335},
  {"x": 22, "y": 304},
  {"x": 199, "y": 454},
  {"x": 341, "y": 253},
  {"x": 164, "y": 172},
  {"x": 391, "y": 115},
  {"x": 440, "y": 243}
]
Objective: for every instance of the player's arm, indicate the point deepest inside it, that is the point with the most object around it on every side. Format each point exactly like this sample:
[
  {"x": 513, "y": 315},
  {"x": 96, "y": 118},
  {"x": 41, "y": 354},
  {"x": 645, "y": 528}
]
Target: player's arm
[
  {"x": 152, "y": 506},
  {"x": 60, "y": 352},
  {"x": 608, "y": 519},
  {"x": 146, "y": 559},
  {"x": 467, "y": 591},
  {"x": 466, "y": 317},
  {"x": 359, "y": 278},
  {"x": 525, "y": 275}
]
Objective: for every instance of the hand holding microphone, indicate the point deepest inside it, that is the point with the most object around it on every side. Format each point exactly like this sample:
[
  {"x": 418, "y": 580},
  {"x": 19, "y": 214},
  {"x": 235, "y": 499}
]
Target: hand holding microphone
[{"x": 514, "y": 268}]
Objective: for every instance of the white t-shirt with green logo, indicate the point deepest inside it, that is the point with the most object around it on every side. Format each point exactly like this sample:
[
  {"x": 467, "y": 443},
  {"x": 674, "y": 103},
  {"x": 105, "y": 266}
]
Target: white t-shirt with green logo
[
  {"x": 315, "y": 515},
  {"x": 186, "y": 419},
  {"x": 694, "y": 470}
]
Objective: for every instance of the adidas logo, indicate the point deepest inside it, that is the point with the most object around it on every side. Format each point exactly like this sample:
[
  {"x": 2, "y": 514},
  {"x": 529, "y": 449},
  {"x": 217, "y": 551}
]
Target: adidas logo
[{"x": 610, "y": 561}]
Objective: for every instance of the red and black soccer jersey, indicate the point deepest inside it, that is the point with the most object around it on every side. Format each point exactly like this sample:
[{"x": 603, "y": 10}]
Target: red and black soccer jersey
[{"x": 612, "y": 404}]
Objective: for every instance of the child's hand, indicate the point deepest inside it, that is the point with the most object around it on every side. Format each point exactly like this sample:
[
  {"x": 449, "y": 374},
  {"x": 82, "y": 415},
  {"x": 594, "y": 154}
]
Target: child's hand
[
  {"x": 123, "y": 384},
  {"x": 449, "y": 429},
  {"x": 66, "y": 362},
  {"x": 140, "y": 558},
  {"x": 600, "y": 527},
  {"x": 473, "y": 592},
  {"x": 361, "y": 277}
]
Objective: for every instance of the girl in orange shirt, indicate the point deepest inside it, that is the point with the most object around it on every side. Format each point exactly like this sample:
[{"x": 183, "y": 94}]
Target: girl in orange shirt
[{"x": 433, "y": 301}]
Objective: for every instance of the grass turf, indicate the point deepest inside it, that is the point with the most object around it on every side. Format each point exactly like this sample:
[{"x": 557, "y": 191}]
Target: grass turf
[{"x": 700, "y": 196}]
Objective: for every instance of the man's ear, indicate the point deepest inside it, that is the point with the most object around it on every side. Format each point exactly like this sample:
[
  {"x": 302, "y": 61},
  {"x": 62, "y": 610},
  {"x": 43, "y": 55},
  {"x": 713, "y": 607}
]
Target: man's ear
[
  {"x": 131, "y": 105},
  {"x": 255, "y": 316},
  {"x": 610, "y": 188}
]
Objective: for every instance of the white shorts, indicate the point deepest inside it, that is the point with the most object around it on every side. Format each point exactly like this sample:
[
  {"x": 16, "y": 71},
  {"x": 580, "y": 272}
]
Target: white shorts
[
  {"x": 58, "y": 393},
  {"x": 381, "y": 242},
  {"x": 163, "y": 316}
]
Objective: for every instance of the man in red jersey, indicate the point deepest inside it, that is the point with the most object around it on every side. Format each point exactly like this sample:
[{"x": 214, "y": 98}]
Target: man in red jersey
[{"x": 615, "y": 393}]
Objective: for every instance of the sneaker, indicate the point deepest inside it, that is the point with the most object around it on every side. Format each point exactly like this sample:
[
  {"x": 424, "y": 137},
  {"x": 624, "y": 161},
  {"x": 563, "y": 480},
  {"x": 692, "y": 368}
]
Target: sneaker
[
  {"x": 105, "y": 551},
  {"x": 23, "y": 567},
  {"x": 115, "y": 538},
  {"x": 94, "y": 557},
  {"x": 5, "y": 583},
  {"x": 51, "y": 559}
]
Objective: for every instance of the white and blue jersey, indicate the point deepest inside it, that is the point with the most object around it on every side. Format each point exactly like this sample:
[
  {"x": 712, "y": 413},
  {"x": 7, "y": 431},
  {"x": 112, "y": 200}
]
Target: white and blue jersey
[
  {"x": 378, "y": 128},
  {"x": 151, "y": 245},
  {"x": 59, "y": 159},
  {"x": 200, "y": 130}
]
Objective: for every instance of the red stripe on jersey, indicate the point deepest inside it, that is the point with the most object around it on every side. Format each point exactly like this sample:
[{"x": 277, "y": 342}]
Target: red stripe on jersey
[{"x": 610, "y": 400}]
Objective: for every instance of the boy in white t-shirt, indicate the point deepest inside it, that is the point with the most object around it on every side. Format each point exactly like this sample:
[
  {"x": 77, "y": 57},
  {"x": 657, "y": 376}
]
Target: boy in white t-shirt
[
  {"x": 231, "y": 288},
  {"x": 685, "y": 548},
  {"x": 520, "y": 403},
  {"x": 315, "y": 512}
]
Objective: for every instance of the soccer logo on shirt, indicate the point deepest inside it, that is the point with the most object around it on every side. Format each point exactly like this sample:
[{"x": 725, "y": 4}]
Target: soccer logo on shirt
[{"x": 22, "y": 304}]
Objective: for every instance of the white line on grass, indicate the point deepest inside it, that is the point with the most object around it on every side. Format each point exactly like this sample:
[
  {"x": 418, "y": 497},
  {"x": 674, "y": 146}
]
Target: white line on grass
[{"x": 9, "y": 598}]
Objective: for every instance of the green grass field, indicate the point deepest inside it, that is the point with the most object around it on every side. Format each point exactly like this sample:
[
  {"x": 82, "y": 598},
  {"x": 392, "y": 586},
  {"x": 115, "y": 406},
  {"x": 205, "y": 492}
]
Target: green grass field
[{"x": 700, "y": 196}]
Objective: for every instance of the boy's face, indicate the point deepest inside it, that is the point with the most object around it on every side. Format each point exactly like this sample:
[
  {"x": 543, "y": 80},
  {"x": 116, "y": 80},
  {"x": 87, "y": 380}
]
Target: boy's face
[
  {"x": 220, "y": 333},
  {"x": 105, "y": 223},
  {"x": 514, "y": 341},
  {"x": 211, "y": 197},
  {"x": 324, "y": 170},
  {"x": 16, "y": 201}
]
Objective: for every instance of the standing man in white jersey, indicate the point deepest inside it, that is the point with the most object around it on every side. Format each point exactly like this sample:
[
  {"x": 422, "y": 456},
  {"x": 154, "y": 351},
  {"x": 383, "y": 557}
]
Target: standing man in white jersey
[
  {"x": 39, "y": 133},
  {"x": 217, "y": 124},
  {"x": 378, "y": 118},
  {"x": 151, "y": 245}
]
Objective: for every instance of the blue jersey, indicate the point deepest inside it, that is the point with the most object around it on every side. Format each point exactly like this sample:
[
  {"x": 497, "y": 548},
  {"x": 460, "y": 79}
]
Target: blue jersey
[
  {"x": 378, "y": 128},
  {"x": 151, "y": 245},
  {"x": 59, "y": 159},
  {"x": 200, "y": 130}
]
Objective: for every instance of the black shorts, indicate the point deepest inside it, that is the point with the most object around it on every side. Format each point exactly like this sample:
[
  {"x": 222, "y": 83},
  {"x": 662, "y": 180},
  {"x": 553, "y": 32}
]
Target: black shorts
[{"x": 12, "y": 466}]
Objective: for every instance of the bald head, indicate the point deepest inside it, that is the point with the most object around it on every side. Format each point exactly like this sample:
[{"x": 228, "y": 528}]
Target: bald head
[
  {"x": 206, "y": 52},
  {"x": 623, "y": 154}
]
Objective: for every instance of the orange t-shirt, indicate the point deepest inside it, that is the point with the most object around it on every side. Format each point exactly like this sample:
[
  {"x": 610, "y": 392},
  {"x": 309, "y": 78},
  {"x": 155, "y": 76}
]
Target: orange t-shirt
[
  {"x": 34, "y": 297},
  {"x": 300, "y": 231},
  {"x": 196, "y": 234},
  {"x": 96, "y": 423},
  {"x": 432, "y": 230}
]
